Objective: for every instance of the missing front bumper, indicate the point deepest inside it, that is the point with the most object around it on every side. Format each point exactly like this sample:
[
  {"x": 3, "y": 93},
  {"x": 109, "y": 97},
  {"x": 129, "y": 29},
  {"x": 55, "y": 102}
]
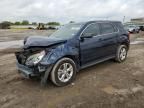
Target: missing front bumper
[{"x": 25, "y": 71}]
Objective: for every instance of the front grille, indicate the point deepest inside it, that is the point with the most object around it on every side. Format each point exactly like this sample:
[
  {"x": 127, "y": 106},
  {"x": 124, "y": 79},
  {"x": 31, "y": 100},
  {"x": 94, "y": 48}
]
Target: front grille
[{"x": 21, "y": 58}]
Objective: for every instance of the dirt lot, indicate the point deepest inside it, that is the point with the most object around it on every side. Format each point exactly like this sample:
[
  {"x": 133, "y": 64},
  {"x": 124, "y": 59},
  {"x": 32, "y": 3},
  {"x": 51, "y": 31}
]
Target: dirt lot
[
  {"x": 105, "y": 85},
  {"x": 14, "y": 34}
]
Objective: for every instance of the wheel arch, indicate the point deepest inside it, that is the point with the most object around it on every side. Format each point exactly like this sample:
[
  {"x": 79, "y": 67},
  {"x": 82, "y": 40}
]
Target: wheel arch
[
  {"x": 125, "y": 43},
  {"x": 124, "y": 40},
  {"x": 74, "y": 58}
]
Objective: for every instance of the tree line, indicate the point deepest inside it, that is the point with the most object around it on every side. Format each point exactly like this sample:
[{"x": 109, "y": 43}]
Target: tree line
[
  {"x": 7, "y": 24},
  {"x": 26, "y": 22}
]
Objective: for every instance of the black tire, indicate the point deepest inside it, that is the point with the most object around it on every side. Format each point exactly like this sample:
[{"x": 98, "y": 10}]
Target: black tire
[
  {"x": 54, "y": 73},
  {"x": 118, "y": 57}
]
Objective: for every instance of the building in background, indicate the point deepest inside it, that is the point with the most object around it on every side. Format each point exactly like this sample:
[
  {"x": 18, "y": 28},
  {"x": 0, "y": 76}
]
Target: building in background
[{"x": 136, "y": 21}]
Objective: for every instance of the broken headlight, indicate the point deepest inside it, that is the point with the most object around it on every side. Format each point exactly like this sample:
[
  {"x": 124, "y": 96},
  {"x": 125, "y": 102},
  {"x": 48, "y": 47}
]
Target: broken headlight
[{"x": 35, "y": 58}]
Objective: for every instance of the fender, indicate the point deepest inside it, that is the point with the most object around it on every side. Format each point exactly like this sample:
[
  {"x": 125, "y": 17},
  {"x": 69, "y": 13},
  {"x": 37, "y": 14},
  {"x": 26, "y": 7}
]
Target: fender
[{"x": 60, "y": 51}]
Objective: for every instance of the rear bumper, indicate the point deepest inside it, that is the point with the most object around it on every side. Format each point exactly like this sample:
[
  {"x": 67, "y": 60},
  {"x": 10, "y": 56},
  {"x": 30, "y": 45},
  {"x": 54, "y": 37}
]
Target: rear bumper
[{"x": 26, "y": 71}]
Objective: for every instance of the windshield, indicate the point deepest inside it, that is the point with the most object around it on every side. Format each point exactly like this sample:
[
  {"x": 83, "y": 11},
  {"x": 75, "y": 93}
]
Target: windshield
[{"x": 67, "y": 31}]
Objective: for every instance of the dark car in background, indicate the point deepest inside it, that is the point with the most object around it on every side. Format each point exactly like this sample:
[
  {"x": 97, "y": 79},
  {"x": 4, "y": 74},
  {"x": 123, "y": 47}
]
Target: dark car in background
[
  {"x": 141, "y": 28},
  {"x": 72, "y": 48}
]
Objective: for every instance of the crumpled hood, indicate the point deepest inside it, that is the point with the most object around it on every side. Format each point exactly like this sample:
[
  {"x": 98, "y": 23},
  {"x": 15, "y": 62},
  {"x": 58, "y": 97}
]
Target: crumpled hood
[{"x": 41, "y": 41}]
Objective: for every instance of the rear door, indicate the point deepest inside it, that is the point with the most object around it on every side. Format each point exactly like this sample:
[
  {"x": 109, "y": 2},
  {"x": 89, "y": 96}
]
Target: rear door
[{"x": 109, "y": 35}]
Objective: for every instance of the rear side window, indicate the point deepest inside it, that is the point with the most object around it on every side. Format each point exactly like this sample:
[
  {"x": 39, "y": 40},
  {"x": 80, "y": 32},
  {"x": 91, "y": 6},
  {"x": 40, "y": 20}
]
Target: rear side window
[
  {"x": 120, "y": 26},
  {"x": 107, "y": 28},
  {"x": 92, "y": 29}
]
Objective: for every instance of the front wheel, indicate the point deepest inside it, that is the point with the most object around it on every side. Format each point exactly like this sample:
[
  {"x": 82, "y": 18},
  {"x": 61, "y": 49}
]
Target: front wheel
[
  {"x": 63, "y": 72},
  {"x": 121, "y": 53}
]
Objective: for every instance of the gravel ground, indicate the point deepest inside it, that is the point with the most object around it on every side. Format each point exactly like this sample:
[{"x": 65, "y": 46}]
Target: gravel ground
[{"x": 105, "y": 85}]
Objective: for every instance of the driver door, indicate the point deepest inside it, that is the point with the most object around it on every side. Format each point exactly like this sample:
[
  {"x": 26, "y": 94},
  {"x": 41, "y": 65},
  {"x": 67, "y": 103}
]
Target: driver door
[{"x": 90, "y": 44}]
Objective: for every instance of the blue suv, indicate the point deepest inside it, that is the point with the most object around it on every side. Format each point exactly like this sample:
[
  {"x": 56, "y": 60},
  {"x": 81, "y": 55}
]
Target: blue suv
[{"x": 71, "y": 48}]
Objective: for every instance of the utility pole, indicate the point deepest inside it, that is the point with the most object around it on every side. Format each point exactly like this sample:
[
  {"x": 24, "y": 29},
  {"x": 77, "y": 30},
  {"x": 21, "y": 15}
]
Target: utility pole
[{"x": 123, "y": 19}]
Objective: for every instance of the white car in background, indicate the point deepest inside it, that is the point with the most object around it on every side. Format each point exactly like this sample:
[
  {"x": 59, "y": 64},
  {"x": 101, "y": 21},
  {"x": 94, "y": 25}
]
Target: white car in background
[{"x": 132, "y": 29}]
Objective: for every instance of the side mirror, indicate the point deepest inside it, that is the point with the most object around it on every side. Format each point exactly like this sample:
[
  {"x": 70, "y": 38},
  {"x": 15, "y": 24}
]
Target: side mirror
[{"x": 87, "y": 35}]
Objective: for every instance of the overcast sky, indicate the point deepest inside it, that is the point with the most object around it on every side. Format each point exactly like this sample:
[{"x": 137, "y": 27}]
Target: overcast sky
[{"x": 67, "y": 10}]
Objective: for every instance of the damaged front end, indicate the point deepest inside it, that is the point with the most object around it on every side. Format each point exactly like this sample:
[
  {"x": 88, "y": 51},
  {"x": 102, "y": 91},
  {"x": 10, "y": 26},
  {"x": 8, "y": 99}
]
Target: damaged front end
[
  {"x": 39, "y": 55},
  {"x": 28, "y": 61}
]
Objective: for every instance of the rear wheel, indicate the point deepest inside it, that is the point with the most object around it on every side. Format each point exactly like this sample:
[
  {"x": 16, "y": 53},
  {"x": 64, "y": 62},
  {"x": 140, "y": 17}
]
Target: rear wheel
[
  {"x": 63, "y": 72},
  {"x": 121, "y": 53}
]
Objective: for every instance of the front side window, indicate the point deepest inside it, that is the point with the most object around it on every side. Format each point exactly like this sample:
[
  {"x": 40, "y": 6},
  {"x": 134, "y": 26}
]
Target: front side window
[
  {"x": 107, "y": 28},
  {"x": 92, "y": 29}
]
